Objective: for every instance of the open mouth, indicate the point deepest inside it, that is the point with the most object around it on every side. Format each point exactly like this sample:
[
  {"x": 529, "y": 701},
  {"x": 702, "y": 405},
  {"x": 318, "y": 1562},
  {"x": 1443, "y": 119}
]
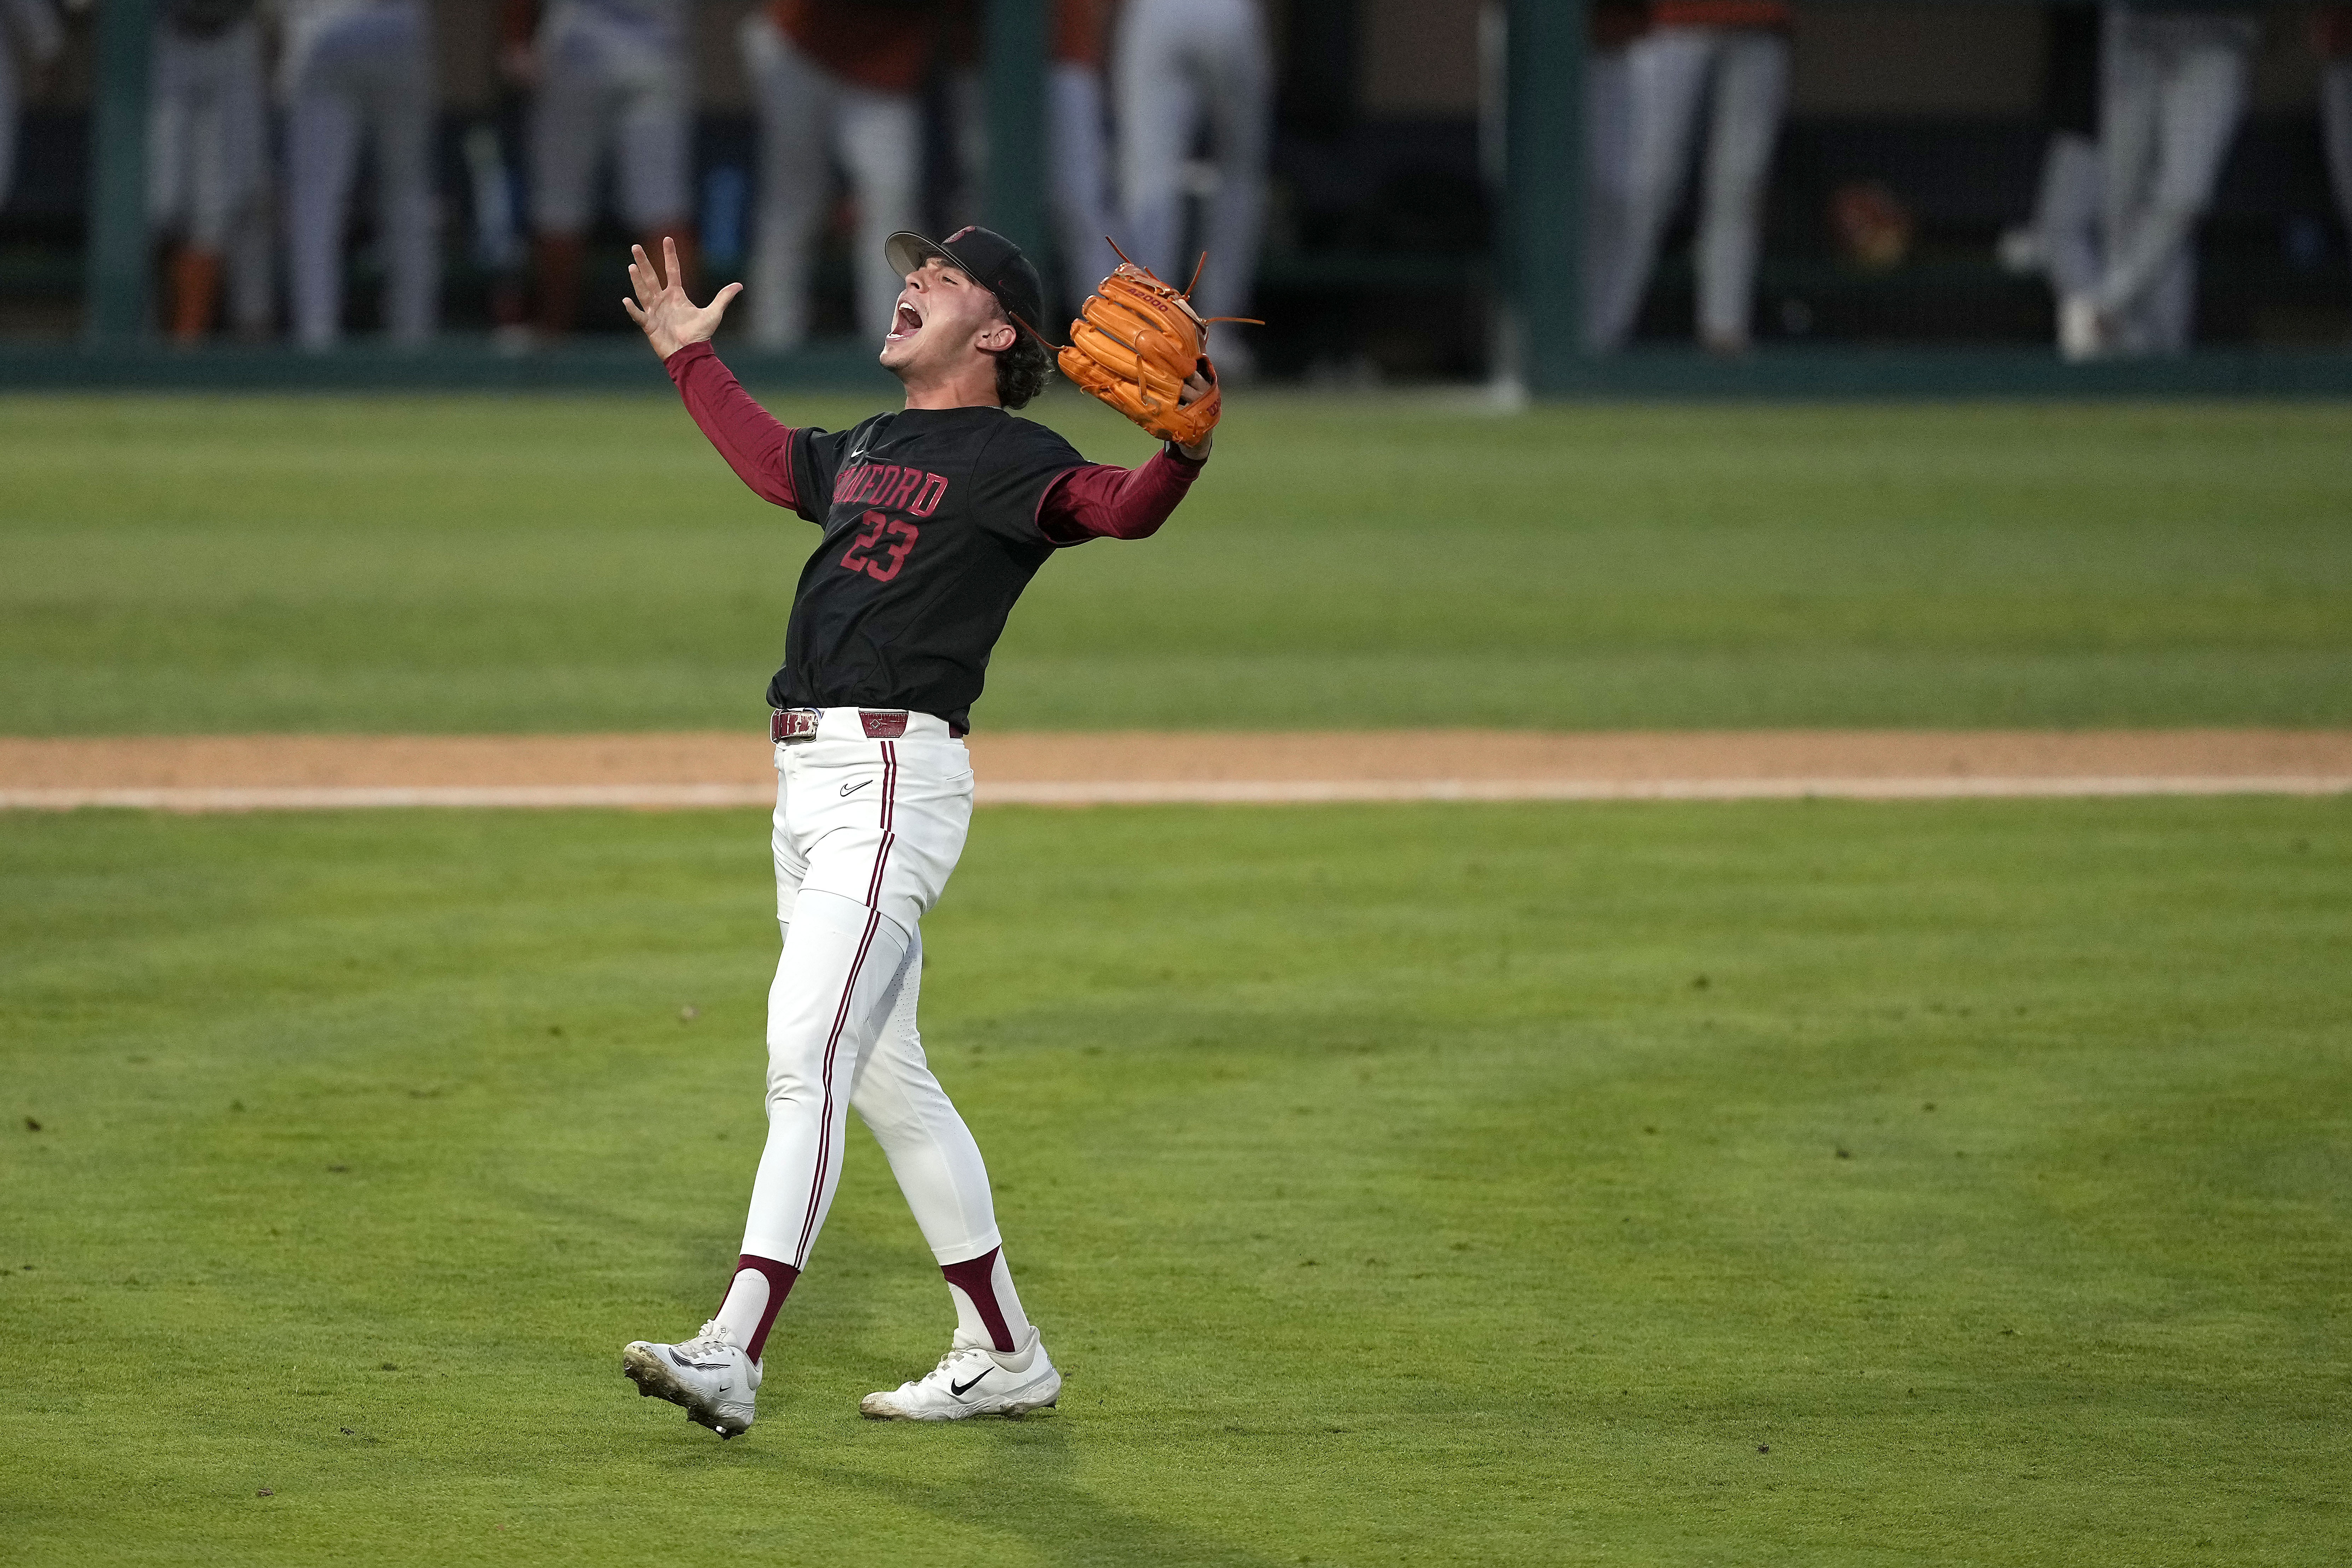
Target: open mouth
[{"x": 907, "y": 323}]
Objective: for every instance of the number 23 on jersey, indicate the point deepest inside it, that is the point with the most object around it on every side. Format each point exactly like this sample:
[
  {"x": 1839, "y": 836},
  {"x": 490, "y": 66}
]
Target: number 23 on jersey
[{"x": 890, "y": 536}]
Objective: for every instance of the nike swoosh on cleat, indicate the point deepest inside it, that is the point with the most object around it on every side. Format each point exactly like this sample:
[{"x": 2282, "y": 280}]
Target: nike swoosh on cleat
[
  {"x": 861, "y": 784},
  {"x": 960, "y": 1389}
]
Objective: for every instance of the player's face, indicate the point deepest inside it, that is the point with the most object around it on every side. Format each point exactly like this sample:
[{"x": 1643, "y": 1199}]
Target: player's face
[{"x": 943, "y": 320}]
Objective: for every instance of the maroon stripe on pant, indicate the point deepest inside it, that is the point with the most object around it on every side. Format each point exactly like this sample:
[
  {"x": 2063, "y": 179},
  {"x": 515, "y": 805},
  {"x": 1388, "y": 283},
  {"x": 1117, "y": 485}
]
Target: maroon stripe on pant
[
  {"x": 825, "y": 1126},
  {"x": 889, "y": 809}
]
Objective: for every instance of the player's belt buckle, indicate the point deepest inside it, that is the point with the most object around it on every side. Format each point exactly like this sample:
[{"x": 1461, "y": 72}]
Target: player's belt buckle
[
  {"x": 883, "y": 724},
  {"x": 795, "y": 723}
]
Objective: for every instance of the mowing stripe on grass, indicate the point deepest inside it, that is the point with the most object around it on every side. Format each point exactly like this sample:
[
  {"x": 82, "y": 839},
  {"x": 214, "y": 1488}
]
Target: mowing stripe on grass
[{"x": 1186, "y": 792}]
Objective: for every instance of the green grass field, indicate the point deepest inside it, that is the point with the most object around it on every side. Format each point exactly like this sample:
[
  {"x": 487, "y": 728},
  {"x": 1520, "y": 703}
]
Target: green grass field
[
  {"x": 551, "y": 563},
  {"x": 1803, "y": 1182}
]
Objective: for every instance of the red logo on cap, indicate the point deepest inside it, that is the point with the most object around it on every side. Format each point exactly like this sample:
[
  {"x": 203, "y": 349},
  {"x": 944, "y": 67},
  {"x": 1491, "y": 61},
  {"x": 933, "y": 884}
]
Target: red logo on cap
[{"x": 960, "y": 233}]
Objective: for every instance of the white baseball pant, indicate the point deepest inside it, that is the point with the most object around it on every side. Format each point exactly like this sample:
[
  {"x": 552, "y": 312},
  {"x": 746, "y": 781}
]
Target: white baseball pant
[
  {"x": 609, "y": 80},
  {"x": 2066, "y": 212},
  {"x": 2172, "y": 89},
  {"x": 1671, "y": 72},
  {"x": 1609, "y": 179},
  {"x": 36, "y": 23},
  {"x": 805, "y": 113},
  {"x": 1176, "y": 62},
  {"x": 208, "y": 157},
  {"x": 353, "y": 70},
  {"x": 866, "y": 832},
  {"x": 1081, "y": 178}
]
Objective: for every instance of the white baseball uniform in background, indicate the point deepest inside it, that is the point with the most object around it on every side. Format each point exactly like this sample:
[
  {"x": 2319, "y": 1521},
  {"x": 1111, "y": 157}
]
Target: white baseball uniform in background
[
  {"x": 29, "y": 35},
  {"x": 810, "y": 115},
  {"x": 208, "y": 147},
  {"x": 1609, "y": 181},
  {"x": 354, "y": 69},
  {"x": 1737, "y": 76},
  {"x": 1177, "y": 64},
  {"x": 613, "y": 79},
  {"x": 2172, "y": 90},
  {"x": 1078, "y": 139}
]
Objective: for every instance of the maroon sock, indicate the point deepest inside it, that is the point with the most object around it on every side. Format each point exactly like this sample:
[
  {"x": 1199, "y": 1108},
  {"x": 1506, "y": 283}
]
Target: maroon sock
[
  {"x": 976, "y": 1278},
  {"x": 779, "y": 1277}
]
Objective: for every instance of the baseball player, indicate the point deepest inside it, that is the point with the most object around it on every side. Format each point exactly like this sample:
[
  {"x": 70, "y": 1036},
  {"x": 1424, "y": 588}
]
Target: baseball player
[
  {"x": 35, "y": 27},
  {"x": 349, "y": 68},
  {"x": 933, "y": 519},
  {"x": 2062, "y": 243},
  {"x": 1176, "y": 62},
  {"x": 1076, "y": 136},
  {"x": 610, "y": 76},
  {"x": 1728, "y": 58},
  {"x": 1612, "y": 25},
  {"x": 208, "y": 164},
  {"x": 2172, "y": 89},
  {"x": 844, "y": 79}
]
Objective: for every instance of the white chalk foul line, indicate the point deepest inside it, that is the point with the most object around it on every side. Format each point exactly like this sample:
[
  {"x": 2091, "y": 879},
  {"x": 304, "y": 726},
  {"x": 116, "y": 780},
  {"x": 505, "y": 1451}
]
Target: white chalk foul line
[{"x": 1181, "y": 792}]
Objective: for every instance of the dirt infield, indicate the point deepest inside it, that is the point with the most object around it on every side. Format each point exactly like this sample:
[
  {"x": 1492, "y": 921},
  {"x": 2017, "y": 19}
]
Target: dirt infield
[{"x": 708, "y": 768}]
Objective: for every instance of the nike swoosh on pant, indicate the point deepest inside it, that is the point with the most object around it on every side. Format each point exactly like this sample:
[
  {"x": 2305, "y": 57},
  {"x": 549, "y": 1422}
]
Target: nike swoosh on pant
[{"x": 850, "y": 789}]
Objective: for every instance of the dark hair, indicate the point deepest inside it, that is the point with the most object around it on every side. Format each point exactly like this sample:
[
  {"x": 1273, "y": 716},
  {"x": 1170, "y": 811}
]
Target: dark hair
[{"x": 1022, "y": 370}]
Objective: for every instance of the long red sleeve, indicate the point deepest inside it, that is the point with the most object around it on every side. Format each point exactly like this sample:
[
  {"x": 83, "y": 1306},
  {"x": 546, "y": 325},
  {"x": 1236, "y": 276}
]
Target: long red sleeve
[
  {"x": 755, "y": 445},
  {"x": 1102, "y": 501}
]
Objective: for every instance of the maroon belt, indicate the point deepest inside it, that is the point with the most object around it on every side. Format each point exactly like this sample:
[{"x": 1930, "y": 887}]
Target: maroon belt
[{"x": 880, "y": 723}]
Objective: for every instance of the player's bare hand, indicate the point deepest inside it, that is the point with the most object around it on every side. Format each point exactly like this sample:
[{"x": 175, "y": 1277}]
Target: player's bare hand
[
  {"x": 1197, "y": 385},
  {"x": 670, "y": 320}
]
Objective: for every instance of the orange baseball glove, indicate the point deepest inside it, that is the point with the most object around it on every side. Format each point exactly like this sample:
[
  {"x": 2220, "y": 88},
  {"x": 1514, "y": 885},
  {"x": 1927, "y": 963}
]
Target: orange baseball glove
[{"x": 1133, "y": 345}]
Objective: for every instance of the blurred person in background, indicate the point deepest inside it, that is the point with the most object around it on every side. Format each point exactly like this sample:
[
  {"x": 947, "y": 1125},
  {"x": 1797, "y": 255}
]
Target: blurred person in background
[
  {"x": 2172, "y": 89},
  {"x": 839, "y": 81},
  {"x": 2062, "y": 243},
  {"x": 208, "y": 166},
  {"x": 349, "y": 70},
  {"x": 1175, "y": 64},
  {"x": 1613, "y": 24},
  {"x": 1727, "y": 60},
  {"x": 31, "y": 39},
  {"x": 607, "y": 76},
  {"x": 2331, "y": 36},
  {"x": 1078, "y": 135}
]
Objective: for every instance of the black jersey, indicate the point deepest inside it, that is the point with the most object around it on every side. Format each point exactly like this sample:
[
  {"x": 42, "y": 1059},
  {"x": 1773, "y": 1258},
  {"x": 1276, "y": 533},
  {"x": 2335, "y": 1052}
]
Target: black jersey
[{"x": 931, "y": 534}]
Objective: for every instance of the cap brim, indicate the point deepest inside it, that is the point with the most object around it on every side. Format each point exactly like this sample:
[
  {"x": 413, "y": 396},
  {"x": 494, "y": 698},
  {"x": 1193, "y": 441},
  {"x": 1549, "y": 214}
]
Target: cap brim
[{"x": 906, "y": 251}]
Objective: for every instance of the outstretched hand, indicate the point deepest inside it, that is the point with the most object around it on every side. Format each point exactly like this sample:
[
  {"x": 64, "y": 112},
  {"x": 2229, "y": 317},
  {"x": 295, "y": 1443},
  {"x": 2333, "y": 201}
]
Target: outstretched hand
[{"x": 670, "y": 320}]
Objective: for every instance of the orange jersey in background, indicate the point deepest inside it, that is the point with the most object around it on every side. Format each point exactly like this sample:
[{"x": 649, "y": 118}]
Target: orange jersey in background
[
  {"x": 875, "y": 43},
  {"x": 1081, "y": 32}
]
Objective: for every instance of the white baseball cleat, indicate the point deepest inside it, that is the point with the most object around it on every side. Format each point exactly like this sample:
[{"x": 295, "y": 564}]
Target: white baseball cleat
[
  {"x": 971, "y": 1380},
  {"x": 2084, "y": 332},
  {"x": 710, "y": 1375}
]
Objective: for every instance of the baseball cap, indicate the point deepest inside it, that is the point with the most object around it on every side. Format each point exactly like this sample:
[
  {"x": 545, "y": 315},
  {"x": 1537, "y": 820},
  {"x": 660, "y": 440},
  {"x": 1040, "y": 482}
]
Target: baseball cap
[{"x": 984, "y": 256}]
